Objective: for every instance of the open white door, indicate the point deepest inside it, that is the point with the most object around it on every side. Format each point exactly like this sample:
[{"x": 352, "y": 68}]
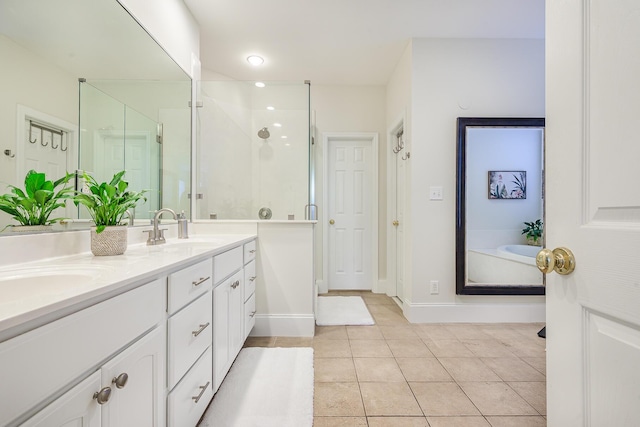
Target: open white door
[{"x": 593, "y": 208}]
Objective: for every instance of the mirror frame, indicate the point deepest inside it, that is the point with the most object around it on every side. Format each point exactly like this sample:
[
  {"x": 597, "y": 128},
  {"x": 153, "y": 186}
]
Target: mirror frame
[{"x": 461, "y": 218}]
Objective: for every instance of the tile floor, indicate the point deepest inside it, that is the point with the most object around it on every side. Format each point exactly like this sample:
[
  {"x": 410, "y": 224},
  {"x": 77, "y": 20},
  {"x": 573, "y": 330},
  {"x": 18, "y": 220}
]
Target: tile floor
[{"x": 416, "y": 375}]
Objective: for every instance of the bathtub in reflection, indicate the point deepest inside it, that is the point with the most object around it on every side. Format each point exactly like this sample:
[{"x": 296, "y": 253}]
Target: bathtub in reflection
[{"x": 505, "y": 265}]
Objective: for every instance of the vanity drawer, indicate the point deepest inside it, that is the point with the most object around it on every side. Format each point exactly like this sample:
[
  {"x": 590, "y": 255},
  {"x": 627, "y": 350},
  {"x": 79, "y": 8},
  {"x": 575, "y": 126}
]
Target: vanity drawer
[
  {"x": 249, "y": 279},
  {"x": 226, "y": 263},
  {"x": 188, "y": 401},
  {"x": 249, "y": 251},
  {"x": 188, "y": 284},
  {"x": 249, "y": 315},
  {"x": 189, "y": 336}
]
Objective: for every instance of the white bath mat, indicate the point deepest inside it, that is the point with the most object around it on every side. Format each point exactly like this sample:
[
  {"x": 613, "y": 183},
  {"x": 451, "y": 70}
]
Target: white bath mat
[
  {"x": 266, "y": 387},
  {"x": 342, "y": 311}
]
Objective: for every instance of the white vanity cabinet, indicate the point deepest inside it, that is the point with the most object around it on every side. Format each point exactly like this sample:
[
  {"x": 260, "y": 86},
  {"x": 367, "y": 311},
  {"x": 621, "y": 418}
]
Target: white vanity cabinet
[
  {"x": 190, "y": 332},
  {"x": 56, "y": 365},
  {"x": 233, "y": 306}
]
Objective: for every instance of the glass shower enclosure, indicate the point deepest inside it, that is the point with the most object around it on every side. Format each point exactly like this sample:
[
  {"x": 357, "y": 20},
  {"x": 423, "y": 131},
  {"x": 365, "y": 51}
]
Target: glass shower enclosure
[{"x": 253, "y": 150}]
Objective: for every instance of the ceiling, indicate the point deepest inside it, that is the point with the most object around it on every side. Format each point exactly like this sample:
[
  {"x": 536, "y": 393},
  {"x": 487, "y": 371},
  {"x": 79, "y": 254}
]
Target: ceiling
[{"x": 344, "y": 41}]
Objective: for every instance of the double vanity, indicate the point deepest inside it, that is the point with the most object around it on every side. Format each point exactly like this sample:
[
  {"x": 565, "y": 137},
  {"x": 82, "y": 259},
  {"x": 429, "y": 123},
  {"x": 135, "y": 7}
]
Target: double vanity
[{"x": 141, "y": 339}]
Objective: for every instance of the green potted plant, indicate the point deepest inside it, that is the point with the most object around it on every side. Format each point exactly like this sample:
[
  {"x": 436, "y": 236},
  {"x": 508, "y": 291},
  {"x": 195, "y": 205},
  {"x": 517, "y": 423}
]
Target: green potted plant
[
  {"x": 107, "y": 203},
  {"x": 533, "y": 232},
  {"x": 33, "y": 206}
]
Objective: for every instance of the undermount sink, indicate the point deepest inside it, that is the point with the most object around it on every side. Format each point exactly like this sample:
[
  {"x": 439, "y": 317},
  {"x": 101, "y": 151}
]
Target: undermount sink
[
  {"x": 197, "y": 241},
  {"x": 42, "y": 281}
]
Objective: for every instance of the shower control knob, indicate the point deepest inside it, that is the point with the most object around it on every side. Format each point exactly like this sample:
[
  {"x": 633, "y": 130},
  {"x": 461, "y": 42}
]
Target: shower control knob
[{"x": 560, "y": 260}]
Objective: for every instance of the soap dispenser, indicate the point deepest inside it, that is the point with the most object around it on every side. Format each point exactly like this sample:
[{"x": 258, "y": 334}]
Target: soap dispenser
[{"x": 183, "y": 229}]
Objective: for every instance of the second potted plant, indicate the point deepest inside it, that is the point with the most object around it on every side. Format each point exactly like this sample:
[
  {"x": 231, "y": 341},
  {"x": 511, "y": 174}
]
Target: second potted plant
[
  {"x": 107, "y": 203},
  {"x": 533, "y": 232}
]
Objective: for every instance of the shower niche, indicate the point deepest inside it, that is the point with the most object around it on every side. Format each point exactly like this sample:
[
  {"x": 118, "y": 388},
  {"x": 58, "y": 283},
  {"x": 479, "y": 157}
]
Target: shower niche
[{"x": 253, "y": 151}]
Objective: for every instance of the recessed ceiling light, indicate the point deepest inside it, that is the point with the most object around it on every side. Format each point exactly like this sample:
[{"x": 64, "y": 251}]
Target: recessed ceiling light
[
  {"x": 270, "y": 107},
  {"x": 278, "y": 125},
  {"x": 255, "y": 60},
  {"x": 260, "y": 84},
  {"x": 284, "y": 137}
]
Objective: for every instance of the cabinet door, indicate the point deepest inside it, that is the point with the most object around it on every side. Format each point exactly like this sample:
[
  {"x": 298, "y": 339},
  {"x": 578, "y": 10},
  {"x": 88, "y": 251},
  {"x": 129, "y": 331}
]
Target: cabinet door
[
  {"x": 138, "y": 401},
  {"x": 221, "y": 299},
  {"x": 236, "y": 314},
  {"x": 75, "y": 408}
]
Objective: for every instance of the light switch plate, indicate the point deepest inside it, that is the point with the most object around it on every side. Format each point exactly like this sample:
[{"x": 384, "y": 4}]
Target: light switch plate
[{"x": 435, "y": 193}]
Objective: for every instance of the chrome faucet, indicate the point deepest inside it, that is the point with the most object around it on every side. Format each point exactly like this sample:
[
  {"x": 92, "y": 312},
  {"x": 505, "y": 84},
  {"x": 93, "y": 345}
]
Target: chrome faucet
[{"x": 156, "y": 235}]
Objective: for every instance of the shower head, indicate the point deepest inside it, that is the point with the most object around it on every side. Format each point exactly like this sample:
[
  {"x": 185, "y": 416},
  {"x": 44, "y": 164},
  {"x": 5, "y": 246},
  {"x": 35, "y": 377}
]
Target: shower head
[{"x": 264, "y": 133}]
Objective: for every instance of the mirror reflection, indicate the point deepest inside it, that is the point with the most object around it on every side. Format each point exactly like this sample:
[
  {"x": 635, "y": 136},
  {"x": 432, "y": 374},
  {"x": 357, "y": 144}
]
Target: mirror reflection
[
  {"x": 46, "y": 48},
  {"x": 500, "y": 205}
]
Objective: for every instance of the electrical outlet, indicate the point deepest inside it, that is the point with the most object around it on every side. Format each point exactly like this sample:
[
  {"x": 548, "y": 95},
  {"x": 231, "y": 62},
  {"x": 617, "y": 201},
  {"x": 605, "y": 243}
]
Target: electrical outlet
[
  {"x": 435, "y": 193},
  {"x": 435, "y": 287}
]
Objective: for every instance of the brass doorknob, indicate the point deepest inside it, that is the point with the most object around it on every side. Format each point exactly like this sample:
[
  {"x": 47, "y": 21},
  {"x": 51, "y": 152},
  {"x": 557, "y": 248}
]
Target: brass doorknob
[
  {"x": 395, "y": 223},
  {"x": 560, "y": 260},
  {"x": 331, "y": 222}
]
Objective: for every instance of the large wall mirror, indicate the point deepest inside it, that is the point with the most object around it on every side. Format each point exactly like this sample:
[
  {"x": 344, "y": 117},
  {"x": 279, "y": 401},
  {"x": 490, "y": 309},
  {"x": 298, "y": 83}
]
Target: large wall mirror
[
  {"x": 500, "y": 190},
  {"x": 85, "y": 87}
]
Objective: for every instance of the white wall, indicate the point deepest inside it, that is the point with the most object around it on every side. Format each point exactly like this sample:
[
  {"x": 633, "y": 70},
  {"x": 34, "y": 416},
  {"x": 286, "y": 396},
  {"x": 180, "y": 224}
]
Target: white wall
[
  {"x": 351, "y": 109},
  {"x": 171, "y": 24},
  {"x": 453, "y": 78}
]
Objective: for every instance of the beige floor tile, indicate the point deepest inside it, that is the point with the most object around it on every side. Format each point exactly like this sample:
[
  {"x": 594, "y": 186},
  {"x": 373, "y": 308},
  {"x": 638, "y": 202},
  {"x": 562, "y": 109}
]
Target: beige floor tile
[
  {"x": 538, "y": 363},
  {"x": 434, "y": 332},
  {"x": 442, "y": 399},
  {"x": 496, "y": 398},
  {"x": 468, "y": 369},
  {"x": 334, "y": 370},
  {"x": 372, "y": 299},
  {"x": 370, "y": 348},
  {"x": 397, "y": 422},
  {"x": 390, "y": 319},
  {"x": 423, "y": 369},
  {"x": 526, "y": 348},
  {"x": 331, "y": 348},
  {"x": 448, "y": 348},
  {"x": 260, "y": 342},
  {"x": 458, "y": 422},
  {"x": 339, "y": 422},
  {"x": 523, "y": 421},
  {"x": 501, "y": 332},
  {"x": 364, "y": 333},
  {"x": 412, "y": 347},
  {"x": 398, "y": 332},
  {"x": 384, "y": 309},
  {"x": 331, "y": 333},
  {"x": 512, "y": 369},
  {"x": 294, "y": 342},
  {"x": 378, "y": 370},
  {"x": 337, "y": 399},
  {"x": 535, "y": 393},
  {"x": 383, "y": 398},
  {"x": 467, "y": 331},
  {"x": 488, "y": 348}
]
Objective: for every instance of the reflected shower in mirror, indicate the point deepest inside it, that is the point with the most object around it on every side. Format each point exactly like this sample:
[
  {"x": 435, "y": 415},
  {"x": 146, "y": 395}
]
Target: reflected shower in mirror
[{"x": 500, "y": 187}]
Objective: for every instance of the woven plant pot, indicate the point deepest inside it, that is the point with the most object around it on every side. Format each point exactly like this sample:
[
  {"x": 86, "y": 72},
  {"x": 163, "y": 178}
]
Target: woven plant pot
[
  {"x": 112, "y": 241},
  {"x": 31, "y": 228}
]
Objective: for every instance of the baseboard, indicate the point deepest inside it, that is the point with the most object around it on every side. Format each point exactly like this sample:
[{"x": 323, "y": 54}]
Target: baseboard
[
  {"x": 284, "y": 325},
  {"x": 474, "y": 313},
  {"x": 323, "y": 287}
]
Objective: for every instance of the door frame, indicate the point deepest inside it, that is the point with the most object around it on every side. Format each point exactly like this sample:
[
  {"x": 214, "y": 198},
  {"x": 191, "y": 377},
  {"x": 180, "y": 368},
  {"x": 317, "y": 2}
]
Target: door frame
[
  {"x": 371, "y": 137},
  {"x": 392, "y": 207}
]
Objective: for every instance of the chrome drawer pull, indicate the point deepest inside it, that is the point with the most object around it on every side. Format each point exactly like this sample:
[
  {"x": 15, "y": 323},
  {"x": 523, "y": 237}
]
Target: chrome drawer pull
[
  {"x": 252, "y": 251},
  {"x": 204, "y": 388},
  {"x": 103, "y": 395},
  {"x": 252, "y": 278},
  {"x": 201, "y": 281},
  {"x": 121, "y": 380},
  {"x": 253, "y": 313},
  {"x": 199, "y": 331},
  {"x": 235, "y": 284}
]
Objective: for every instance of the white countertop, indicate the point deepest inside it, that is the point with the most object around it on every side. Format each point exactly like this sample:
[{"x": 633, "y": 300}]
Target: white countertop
[{"x": 35, "y": 299}]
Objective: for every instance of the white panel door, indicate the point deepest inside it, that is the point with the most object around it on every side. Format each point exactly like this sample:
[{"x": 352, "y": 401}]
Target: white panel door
[
  {"x": 400, "y": 160},
  {"x": 593, "y": 208},
  {"x": 349, "y": 207}
]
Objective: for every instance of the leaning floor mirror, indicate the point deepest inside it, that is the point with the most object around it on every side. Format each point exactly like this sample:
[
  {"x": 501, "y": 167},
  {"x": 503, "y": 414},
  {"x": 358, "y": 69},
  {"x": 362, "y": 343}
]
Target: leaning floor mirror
[{"x": 499, "y": 205}]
